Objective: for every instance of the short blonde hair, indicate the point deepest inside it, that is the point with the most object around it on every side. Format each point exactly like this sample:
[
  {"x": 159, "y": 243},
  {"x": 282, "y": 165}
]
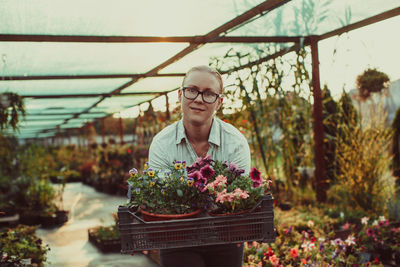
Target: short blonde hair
[{"x": 208, "y": 69}]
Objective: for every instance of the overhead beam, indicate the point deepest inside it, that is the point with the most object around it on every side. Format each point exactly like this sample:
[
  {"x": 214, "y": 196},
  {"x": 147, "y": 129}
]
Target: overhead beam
[
  {"x": 214, "y": 34},
  {"x": 143, "y": 39},
  {"x": 382, "y": 16},
  {"x": 95, "y": 76},
  {"x": 90, "y": 95}
]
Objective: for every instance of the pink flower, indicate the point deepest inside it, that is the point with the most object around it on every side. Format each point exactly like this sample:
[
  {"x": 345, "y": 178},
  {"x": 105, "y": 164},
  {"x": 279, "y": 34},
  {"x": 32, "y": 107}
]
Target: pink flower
[
  {"x": 255, "y": 177},
  {"x": 370, "y": 232},
  {"x": 274, "y": 260},
  {"x": 346, "y": 226},
  {"x": 207, "y": 172}
]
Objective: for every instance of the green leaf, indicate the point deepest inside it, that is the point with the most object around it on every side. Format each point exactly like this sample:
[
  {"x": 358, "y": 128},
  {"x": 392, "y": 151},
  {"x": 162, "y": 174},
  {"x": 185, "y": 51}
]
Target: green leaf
[{"x": 179, "y": 192}]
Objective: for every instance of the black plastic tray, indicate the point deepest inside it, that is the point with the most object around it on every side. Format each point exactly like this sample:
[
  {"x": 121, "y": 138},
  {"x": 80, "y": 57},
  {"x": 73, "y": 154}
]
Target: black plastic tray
[{"x": 138, "y": 235}]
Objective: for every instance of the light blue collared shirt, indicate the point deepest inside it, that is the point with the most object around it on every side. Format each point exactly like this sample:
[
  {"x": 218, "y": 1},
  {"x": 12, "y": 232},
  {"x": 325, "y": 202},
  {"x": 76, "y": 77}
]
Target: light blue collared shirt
[{"x": 226, "y": 143}]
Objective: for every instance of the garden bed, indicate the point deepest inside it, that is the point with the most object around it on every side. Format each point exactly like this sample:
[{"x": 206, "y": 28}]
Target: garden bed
[
  {"x": 104, "y": 245},
  {"x": 32, "y": 218}
]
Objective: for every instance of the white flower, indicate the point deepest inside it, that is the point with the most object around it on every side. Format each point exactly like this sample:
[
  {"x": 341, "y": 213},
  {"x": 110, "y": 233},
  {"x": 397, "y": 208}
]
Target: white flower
[
  {"x": 321, "y": 239},
  {"x": 310, "y": 223},
  {"x": 364, "y": 220},
  {"x": 382, "y": 218},
  {"x": 351, "y": 240},
  {"x": 375, "y": 223},
  {"x": 337, "y": 242},
  {"x": 308, "y": 246}
]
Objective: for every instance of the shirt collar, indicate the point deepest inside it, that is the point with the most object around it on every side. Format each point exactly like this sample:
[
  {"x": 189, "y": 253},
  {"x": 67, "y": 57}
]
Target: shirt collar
[
  {"x": 214, "y": 137},
  {"x": 180, "y": 135}
]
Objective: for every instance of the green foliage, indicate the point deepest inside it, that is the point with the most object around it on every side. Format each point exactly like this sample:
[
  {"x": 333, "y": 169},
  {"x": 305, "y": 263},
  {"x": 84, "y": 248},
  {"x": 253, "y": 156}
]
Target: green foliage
[
  {"x": 21, "y": 243},
  {"x": 276, "y": 121},
  {"x": 165, "y": 191},
  {"x": 11, "y": 108},
  {"x": 371, "y": 81},
  {"x": 103, "y": 233},
  {"x": 363, "y": 161},
  {"x": 396, "y": 149},
  {"x": 330, "y": 122}
]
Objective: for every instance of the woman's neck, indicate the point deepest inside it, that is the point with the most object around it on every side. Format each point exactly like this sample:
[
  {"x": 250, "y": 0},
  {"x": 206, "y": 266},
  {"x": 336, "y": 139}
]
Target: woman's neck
[{"x": 197, "y": 134}]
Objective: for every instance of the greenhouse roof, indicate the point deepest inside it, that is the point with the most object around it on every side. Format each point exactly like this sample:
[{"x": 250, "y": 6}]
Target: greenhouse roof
[{"x": 78, "y": 61}]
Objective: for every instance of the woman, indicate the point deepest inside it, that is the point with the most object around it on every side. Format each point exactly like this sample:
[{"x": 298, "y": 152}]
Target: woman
[{"x": 197, "y": 134}]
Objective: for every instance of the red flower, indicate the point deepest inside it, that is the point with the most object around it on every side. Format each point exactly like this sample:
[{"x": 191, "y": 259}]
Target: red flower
[
  {"x": 294, "y": 253},
  {"x": 313, "y": 239},
  {"x": 255, "y": 177},
  {"x": 269, "y": 253},
  {"x": 376, "y": 260}
]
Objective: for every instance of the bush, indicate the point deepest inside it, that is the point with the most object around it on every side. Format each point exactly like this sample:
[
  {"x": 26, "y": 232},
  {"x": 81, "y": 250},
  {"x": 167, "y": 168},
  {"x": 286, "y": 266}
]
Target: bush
[{"x": 21, "y": 243}]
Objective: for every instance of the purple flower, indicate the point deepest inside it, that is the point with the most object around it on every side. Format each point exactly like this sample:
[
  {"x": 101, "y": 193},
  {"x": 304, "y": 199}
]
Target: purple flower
[
  {"x": 239, "y": 172},
  {"x": 232, "y": 167},
  {"x": 207, "y": 172}
]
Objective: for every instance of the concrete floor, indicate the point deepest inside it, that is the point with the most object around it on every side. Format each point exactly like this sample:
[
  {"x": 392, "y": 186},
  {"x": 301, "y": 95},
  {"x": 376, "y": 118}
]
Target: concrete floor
[{"x": 69, "y": 243}]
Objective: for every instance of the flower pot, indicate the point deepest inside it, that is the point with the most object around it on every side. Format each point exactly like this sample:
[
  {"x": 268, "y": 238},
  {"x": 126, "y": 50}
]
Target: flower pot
[
  {"x": 151, "y": 217},
  {"x": 170, "y": 234}
]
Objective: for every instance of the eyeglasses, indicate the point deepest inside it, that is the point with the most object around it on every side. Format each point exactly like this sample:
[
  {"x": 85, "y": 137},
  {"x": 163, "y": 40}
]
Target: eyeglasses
[{"x": 191, "y": 93}]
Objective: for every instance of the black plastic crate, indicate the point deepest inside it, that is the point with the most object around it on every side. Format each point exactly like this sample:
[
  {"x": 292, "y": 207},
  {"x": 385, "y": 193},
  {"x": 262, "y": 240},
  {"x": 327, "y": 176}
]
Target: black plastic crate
[{"x": 138, "y": 235}]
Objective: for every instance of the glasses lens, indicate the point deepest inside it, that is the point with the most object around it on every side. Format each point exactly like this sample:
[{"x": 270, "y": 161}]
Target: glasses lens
[
  {"x": 190, "y": 93},
  {"x": 209, "y": 97}
]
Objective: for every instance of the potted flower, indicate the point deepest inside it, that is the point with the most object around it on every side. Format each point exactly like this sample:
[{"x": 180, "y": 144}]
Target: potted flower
[
  {"x": 230, "y": 189},
  {"x": 165, "y": 193}
]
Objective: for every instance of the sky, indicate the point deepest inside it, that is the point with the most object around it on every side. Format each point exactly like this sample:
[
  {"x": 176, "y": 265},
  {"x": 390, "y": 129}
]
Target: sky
[{"x": 373, "y": 46}]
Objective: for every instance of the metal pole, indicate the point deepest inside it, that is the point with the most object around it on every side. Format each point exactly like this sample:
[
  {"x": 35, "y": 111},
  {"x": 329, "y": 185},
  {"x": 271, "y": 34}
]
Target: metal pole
[{"x": 319, "y": 151}]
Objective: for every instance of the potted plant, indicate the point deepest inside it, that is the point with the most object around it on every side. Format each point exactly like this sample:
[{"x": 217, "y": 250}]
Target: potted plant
[
  {"x": 106, "y": 238},
  {"x": 21, "y": 247},
  {"x": 165, "y": 193},
  {"x": 229, "y": 189}
]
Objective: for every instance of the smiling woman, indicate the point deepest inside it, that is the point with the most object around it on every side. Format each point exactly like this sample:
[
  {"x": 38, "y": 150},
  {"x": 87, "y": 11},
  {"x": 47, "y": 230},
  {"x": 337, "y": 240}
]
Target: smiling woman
[{"x": 197, "y": 134}]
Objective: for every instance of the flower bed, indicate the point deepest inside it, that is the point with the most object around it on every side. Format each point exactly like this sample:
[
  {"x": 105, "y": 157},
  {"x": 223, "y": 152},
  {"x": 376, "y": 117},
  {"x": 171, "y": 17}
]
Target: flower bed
[{"x": 105, "y": 239}]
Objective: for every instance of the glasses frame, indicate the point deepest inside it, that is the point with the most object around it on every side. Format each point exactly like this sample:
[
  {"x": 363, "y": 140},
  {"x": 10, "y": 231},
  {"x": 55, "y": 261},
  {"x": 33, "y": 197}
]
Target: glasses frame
[{"x": 201, "y": 93}]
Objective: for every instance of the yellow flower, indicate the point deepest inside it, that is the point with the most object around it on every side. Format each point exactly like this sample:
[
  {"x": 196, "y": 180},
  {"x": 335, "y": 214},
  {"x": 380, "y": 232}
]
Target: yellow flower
[
  {"x": 152, "y": 183},
  {"x": 133, "y": 173},
  {"x": 151, "y": 172},
  {"x": 184, "y": 164},
  {"x": 182, "y": 179},
  {"x": 146, "y": 165},
  {"x": 190, "y": 182},
  {"x": 178, "y": 165}
]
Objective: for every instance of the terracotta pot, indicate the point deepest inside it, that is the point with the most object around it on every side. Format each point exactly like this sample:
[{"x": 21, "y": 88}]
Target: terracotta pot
[
  {"x": 151, "y": 217},
  {"x": 165, "y": 234}
]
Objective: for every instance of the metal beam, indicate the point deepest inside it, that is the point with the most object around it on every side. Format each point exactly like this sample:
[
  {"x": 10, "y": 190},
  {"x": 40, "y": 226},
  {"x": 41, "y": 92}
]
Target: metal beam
[
  {"x": 90, "y": 95},
  {"x": 95, "y": 76},
  {"x": 214, "y": 34},
  {"x": 382, "y": 16},
  {"x": 144, "y": 39}
]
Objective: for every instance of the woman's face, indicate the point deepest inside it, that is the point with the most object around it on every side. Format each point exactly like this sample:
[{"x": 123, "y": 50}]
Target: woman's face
[{"x": 196, "y": 111}]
